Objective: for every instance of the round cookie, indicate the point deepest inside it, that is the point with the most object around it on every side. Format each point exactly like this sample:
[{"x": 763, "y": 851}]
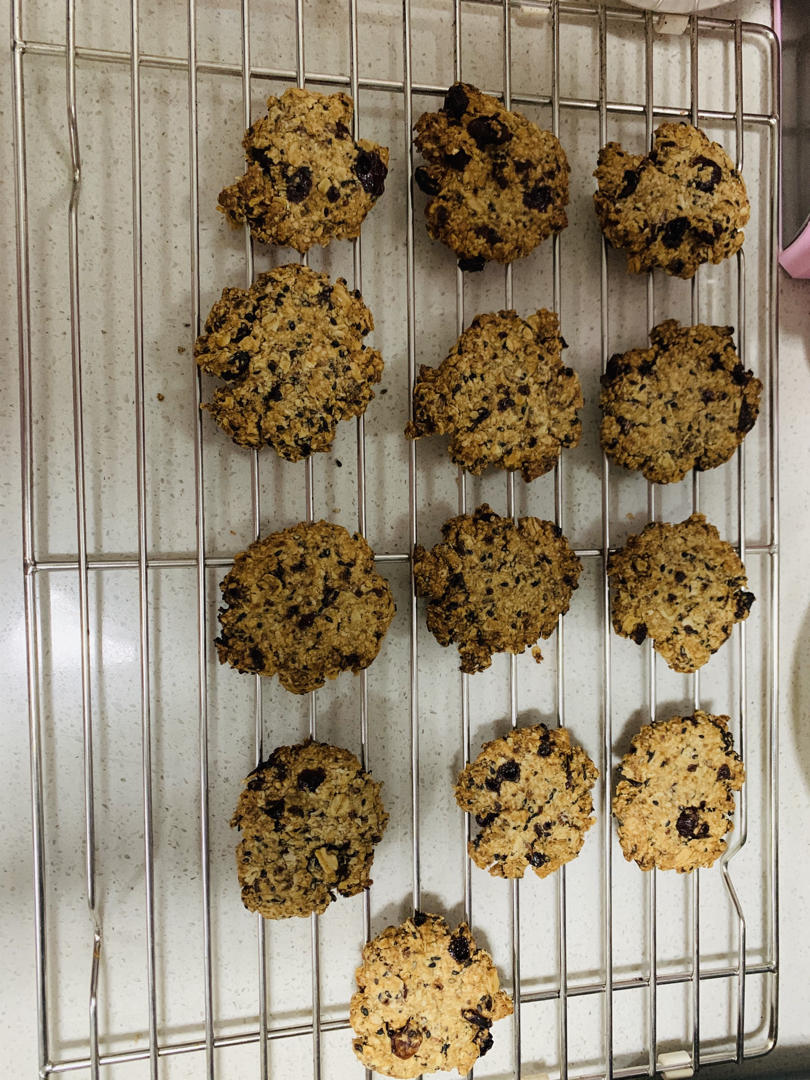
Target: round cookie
[
  {"x": 307, "y": 180},
  {"x": 426, "y": 999},
  {"x": 495, "y": 585},
  {"x": 681, "y": 205},
  {"x": 305, "y": 604},
  {"x": 498, "y": 185},
  {"x": 290, "y": 350},
  {"x": 686, "y": 402},
  {"x": 681, "y": 585},
  {"x": 674, "y": 798},
  {"x": 503, "y": 395},
  {"x": 530, "y": 792},
  {"x": 309, "y": 817}
]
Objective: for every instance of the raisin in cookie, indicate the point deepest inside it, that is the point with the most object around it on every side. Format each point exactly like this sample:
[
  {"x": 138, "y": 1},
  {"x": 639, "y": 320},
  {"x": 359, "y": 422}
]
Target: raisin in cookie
[
  {"x": 307, "y": 180},
  {"x": 686, "y": 402},
  {"x": 503, "y": 395},
  {"x": 681, "y": 205},
  {"x": 674, "y": 798},
  {"x": 426, "y": 999},
  {"x": 309, "y": 817},
  {"x": 498, "y": 185},
  {"x": 681, "y": 585},
  {"x": 530, "y": 792},
  {"x": 290, "y": 350},
  {"x": 305, "y": 604},
  {"x": 495, "y": 585}
]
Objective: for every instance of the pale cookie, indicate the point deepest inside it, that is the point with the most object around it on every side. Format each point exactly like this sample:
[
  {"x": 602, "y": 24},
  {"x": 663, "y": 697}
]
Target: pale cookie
[
  {"x": 307, "y": 180},
  {"x": 498, "y": 185},
  {"x": 674, "y": 799},
  {"x": 686, "y": 402},
  {"x": 682, "y": 586},
  {"x": 681, "y": 205},
  {"x": 530, "y": 792},
  {"x": 426, "y": 999},
  {"x": 503, "y": 395},
  {"x": 305, "y": 604},
  {"x": 309, "y": 817},
  {"x": 290, "y": 350},
  {"x": 495, "y": 585}
]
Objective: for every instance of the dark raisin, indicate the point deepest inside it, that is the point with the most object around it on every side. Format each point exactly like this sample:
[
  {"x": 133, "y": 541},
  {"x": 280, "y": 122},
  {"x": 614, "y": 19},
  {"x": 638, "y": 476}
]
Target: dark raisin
[
  {"x": 631, "y": 179},
  {"x": 676, "y": 266},
  {"x": 492, "y": 784},
  {"x": 474, "y": 1017},
  {"x": 299, "y": 184},
  {"x": 241, "y": 333},
  {"x": 458, "y": 161},
  {"x": 332, "y": 194},
  {"x": 371, "y": 172},
  {"x": 510, "y": 770},
  {"x": 456, "y": 101},
  {"x": 488, "y": 131},
  {"x": 724, "y": 773},
  {"x": 484, "y": 1040},
  {"x": 537, "y": 858},
  {"x": 472, "y": 263},
  {"x": 487, "y": 233},
  {"x": 638, "y": 633},
  {"x": 680, "y": 576},
  {"x": 747, "y": 419},
  {"x": 743, "y": 606},
  {"x": 306, "y": 621},
  {"x": 260, "y": 157},
  {"x": 459, "y": 947},
  {"x": 689, "y": 825},
  {"x": 419, "y": 918},
  {"x": 710, "y": 182},
  {"x": 546, "y": 746},
  {"x": 538, "y": 197},
  {"x": 482, "y": 820},
  {"x": 425, "y": 182},
  {"x": 405, "y": 1041},
  {"x": 240, "y": 362},
  {"x": 274, "y": 809},
  {"x": 673, "y": 232},
  {"x": 310, "y": 779},
  {"x": 257, "y": 658}
]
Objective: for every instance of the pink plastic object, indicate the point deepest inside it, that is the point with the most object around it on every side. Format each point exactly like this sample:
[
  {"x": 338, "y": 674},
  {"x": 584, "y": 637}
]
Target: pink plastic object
[{"x": 795, "y": 257}]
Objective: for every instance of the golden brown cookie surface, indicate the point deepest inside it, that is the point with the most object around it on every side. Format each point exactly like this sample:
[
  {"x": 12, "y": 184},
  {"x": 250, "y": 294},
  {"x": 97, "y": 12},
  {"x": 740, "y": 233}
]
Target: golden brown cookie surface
[
  {"x": 498, "y": 185},
  {"x": 503, "y": 395},
  {"x": 674, "y": 798},
  {"x": 686, "y": 402},
  {"x": 307, "y": 180},
  {"x": 681, "y": 205},
  {"x": 681, "y": 585},
  {"x": 494, "y": 585},
  {"x": 426, "y": 999},
  {"x": 290, "y": 350},
  {"x": 309, "y": 817},
  {"x": 530, "y": 792},
  {"x": 305, "y": 603}
]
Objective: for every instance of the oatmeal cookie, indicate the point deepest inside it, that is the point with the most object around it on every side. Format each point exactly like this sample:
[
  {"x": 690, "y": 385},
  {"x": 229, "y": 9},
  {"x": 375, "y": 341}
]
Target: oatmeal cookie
[
  {"x": 681, "y": 205},
  {"x": 307, "y": 181},
  {"x": 426, "y": 999},
  {"x": 686, "y": 402},
  {"x": 681, "y": 585},
  {"x": 305, "y": 604},
  {"x": 309, "y": 817},
  {"x": 498, "y": 185},
  {"x": 290, "y": 351},
  {"x": 495, "y": 585},
  {"x": 674, "y": 799},
  {"x": 503, "y": 395},
  {"x": 530, "y": 792}
]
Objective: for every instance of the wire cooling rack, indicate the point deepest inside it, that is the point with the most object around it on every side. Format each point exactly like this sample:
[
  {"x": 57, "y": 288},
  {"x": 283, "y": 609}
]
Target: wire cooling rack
[{"x": 127, "y": 121}]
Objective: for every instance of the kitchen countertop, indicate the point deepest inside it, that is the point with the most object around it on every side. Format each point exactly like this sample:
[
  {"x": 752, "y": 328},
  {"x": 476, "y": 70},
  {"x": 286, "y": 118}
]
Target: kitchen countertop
[{"x": 17, "y": 1000}]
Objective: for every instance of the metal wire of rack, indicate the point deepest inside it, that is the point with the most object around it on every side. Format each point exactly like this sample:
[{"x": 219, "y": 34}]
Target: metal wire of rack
[{"x": 604, "y": 986}]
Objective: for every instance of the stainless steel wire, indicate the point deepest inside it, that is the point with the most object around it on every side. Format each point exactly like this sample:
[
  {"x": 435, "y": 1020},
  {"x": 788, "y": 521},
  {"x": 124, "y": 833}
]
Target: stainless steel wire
[{"x": 142, "y": 560}]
